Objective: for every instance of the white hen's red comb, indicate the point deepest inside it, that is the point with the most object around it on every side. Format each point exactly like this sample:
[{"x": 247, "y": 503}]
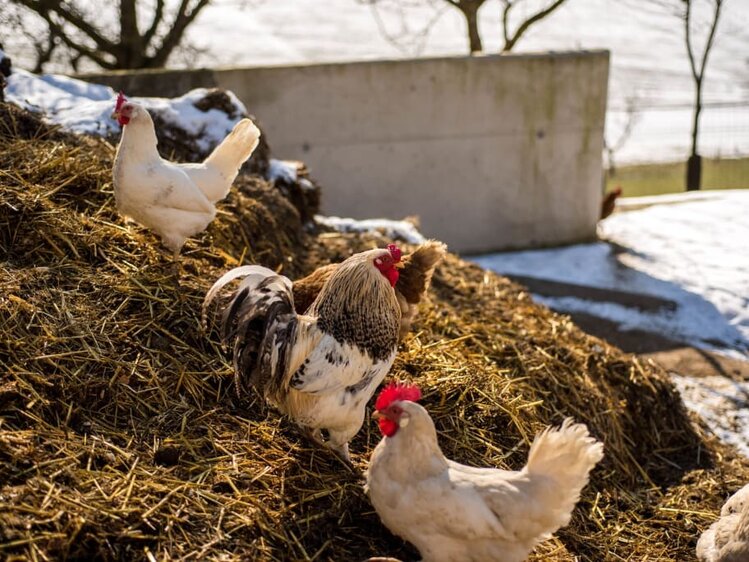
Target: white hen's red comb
[
  {"x": 121, "y": 99},
  {"x": 396, "y": 391}
]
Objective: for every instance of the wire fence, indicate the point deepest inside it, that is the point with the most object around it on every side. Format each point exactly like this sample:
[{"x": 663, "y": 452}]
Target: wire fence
[
  {"x": 723, "y": 130},
  {"x": 646, "y": 134}
]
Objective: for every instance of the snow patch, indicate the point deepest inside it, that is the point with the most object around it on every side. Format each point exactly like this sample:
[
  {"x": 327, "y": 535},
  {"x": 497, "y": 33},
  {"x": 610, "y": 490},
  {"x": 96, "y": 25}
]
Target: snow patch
[
  {"x": 306, "y": 185},
  {"x": 636, "y": 203},
  {"x": 723, "y": 404},
  {"x": 83, "y": 107},
  {"x": 285, "y": 170},
  {"x": 692, "y": 253},
  {"x": 400, "y": 230}
]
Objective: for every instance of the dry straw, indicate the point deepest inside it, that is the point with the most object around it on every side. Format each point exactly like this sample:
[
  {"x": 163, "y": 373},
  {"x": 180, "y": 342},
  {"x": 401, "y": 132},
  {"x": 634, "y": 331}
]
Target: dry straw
[{"x": 121, "y": 437}]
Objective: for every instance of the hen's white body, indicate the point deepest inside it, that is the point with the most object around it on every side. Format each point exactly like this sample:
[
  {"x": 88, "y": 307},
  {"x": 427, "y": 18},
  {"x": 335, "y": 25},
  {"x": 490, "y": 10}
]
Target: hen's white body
[
  {"x": 456, "y": 513},
  {"x": 727, "y": 540},
  {"x": 176, "y": 201}
]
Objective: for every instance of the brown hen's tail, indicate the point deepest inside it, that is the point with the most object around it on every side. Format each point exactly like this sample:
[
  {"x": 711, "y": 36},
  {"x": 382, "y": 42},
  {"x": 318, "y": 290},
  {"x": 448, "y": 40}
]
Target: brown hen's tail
[
  {"x": 260, "y": 322},
  {"x": 418, "y": 268}
]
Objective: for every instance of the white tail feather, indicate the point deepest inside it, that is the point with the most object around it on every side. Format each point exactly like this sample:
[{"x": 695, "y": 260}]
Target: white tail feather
[
  {"x": 236, "y": 148},
  {"x": 225, "y": 279},
  {"x": 565, "y": 455}
]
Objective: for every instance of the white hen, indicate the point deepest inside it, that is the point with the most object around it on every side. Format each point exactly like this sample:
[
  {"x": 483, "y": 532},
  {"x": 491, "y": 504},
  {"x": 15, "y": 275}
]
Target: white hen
[
  {"x": 176, "y": 201},
  {"x": 456, "y": 513},
  {"x": 727, "y": 540}
]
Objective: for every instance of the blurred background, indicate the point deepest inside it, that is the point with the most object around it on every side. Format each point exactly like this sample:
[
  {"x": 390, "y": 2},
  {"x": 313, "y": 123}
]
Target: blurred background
[{"x": 651, "y": 94}]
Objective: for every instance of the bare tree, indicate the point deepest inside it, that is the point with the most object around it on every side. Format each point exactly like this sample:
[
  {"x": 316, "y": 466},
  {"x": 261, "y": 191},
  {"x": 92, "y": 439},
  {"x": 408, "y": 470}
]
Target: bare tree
[
  {"x": 110, "y": 35},
  {"x": 695, "y": 26},
  {"x": 697, "y": 64},
  {"x": 470, "y": 11}
]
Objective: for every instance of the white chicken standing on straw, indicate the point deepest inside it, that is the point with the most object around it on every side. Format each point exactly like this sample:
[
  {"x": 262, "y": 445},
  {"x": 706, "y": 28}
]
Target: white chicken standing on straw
[
  {"x": 456, "y": 513},
  {"x": 176, "y": 201}
]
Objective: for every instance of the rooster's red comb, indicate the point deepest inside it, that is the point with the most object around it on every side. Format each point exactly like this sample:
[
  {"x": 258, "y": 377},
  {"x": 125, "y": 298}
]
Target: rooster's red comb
[
  {"x": 396, "y": 391},
  {"x": 120, "y": 100},
  {"x": 395, "y": 251}
]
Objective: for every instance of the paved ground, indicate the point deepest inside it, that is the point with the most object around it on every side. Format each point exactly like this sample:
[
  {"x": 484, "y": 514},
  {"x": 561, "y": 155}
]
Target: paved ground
[{"x": 672, "y": 355}]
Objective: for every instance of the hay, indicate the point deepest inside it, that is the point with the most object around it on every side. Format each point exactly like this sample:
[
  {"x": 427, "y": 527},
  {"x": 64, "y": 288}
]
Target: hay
[{"x": 121, "y": 436}]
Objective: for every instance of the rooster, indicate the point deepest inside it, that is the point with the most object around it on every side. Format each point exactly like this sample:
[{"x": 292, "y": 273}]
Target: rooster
[
  {"x": 320, "y": 368},
  {"x": 452, "y": 512},
  {"x": 415, "y": 277},
  {"x": 727, "y": 540},
  {"x": 176, "y": 201}
]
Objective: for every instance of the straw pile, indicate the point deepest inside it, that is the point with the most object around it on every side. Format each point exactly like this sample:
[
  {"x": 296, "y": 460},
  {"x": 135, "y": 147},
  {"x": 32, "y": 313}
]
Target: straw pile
[{"x": 121, "y": 436}]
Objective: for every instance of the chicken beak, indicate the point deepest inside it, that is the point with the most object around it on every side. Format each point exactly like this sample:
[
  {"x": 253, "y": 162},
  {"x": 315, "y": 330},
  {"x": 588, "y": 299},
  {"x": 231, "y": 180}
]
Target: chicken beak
[
  {"x": 377, "y": 415},
  {"x": 399, "y": 265},
  {"x": 115, "y": 115}
]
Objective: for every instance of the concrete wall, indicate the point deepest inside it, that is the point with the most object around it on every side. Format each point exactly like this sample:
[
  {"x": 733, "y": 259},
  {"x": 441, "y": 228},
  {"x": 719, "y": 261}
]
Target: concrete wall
[{"x": 491, "y": 152}]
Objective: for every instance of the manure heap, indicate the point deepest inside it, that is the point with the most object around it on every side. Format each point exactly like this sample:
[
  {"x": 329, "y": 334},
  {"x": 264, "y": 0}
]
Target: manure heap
[{"x": 121, "y": 436}]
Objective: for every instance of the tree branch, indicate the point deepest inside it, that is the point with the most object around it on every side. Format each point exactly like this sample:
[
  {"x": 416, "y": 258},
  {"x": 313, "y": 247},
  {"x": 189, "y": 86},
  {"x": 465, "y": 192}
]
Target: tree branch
[
  {"x": 76, "y": 20},
  {"x": 510, "y": 43},
  {"x": 44, "y": 48},
  {"x": 709, "y": 44},
  {"x": 79, "y": 47},
  {"x": 505, "y": 20},
  {"x": 130, "y": 48},
  {"x": 158, "y": 16},
  {"x": 184, "y": 18},
  {"x": 690, "y": 52}
]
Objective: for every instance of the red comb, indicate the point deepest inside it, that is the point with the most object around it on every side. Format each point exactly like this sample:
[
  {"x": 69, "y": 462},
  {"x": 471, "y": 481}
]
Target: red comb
[
  {"x": 395, "y": 251},
  {"x": 120, "y": 100},
  {"x": 397, "y": 391}
]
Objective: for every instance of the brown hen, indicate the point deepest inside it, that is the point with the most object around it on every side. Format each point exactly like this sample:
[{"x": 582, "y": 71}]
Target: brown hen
[{"x": 414, "y": 280}]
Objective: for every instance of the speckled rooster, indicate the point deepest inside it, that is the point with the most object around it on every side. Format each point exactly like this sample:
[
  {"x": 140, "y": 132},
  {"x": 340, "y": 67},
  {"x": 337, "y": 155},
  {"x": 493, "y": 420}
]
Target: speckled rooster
[{"x": 321, "y": 367}]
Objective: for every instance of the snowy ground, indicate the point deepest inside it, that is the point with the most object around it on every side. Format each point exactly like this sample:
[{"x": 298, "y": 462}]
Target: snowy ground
[
  {"x": 722, "y": 403},
  {"x": 689, "y": 250},
  {"x": 692, "y": 253},
  {"x": 398, "y": 230}
]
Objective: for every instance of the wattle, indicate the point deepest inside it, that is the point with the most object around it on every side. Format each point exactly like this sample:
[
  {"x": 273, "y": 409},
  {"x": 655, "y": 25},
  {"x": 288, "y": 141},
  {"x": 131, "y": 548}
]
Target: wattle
[
  {"x": 387, "y": 427},
  {"x": 122, "y": 120},
  {"x": 392, "y": 276}
]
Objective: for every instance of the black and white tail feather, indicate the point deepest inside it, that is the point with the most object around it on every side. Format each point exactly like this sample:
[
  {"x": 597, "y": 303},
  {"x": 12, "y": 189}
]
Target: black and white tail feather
[{"x": 260, "y": 321}]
